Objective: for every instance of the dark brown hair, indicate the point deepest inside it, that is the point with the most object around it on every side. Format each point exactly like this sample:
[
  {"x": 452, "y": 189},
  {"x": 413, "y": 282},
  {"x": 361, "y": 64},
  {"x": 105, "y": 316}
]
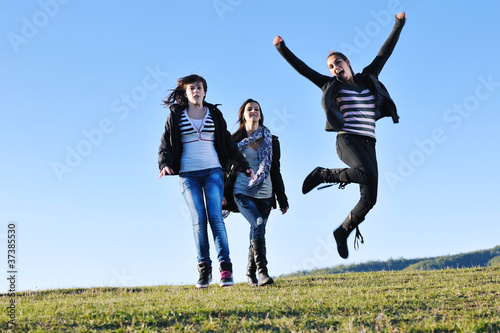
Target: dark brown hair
[
  {"x": 177, "y": 96},
  {"x": 241, "y": 132}
]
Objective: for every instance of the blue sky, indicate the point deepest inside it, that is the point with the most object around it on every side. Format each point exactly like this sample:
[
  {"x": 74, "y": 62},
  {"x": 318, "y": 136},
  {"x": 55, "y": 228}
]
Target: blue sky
[{"x": 82, "y": 84}]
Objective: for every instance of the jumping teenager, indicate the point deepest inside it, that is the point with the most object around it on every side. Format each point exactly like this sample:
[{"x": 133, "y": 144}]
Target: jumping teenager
[{"x": 352, "y": 103}]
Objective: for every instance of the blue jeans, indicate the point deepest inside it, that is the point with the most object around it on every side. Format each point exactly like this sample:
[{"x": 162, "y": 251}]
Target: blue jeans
[
  {"x": 198, "y": 188},
  {"x": 256, "y": 211}
]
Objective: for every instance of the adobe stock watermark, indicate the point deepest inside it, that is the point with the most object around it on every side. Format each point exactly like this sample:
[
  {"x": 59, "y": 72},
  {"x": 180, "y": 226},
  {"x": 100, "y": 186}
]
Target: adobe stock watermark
[
  {"x": 31, "y": 26},
  {"x": 121, "y": 279},
  {"x": 364, "y": 36},
  {"x": 324, "y": 250},
  {"x": 279, "y": 120},
  {"x": 121, "y": 107},
  {"x": 224, "y": 6},
  {"x": 454, "y": 117}
]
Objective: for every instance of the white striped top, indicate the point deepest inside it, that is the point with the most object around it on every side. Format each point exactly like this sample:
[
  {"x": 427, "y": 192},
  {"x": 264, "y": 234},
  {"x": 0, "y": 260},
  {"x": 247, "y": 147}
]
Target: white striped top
[
  {"x": 197, "y": 137},
  {"x": 358, "y": 111}
]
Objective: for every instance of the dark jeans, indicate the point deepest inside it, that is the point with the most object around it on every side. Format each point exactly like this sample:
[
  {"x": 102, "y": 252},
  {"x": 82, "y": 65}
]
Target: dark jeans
[
  {"x": 256, "y": 212},
  {"x": 358, "y": 152}
]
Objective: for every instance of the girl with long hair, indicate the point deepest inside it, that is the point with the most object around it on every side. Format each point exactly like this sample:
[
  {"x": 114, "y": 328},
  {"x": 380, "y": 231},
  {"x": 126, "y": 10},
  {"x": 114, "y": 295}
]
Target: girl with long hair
[
  {"x": 195, "y": 146},
  {"x": 255, "y": 198}
]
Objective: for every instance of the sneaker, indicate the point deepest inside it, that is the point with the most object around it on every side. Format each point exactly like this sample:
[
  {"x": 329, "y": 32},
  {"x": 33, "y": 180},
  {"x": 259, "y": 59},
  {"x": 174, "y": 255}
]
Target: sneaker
[
  {"x": 226, "y": 274},
  {"x": 205, "y": 275}
]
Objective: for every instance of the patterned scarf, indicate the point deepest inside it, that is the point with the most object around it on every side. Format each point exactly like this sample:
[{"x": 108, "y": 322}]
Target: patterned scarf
[{"x": 264, "y": 157}]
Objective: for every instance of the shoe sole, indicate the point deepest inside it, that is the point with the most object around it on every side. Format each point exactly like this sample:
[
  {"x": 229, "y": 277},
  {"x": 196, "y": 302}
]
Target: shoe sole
[
  {"x": 226, "y": 284},
  {"x": 338, "y": 248},
  {"x": 268, "y": 283},
  {"x": 202, "y": 286},
  {"x": 305, "y": 189}
]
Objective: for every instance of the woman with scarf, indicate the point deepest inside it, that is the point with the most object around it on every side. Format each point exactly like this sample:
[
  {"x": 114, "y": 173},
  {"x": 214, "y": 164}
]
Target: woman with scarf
[
  {"x": 352, "y": 104},
  {"x": 254, "y": 198}
]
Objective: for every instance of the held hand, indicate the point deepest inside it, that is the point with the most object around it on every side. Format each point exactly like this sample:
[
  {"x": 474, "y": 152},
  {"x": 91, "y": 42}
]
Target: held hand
[
  {"x": 401, "y": 15},
  {"x": 277, "y": 40},
  {"x": 284, "y": 210},
  {"x": 224, "y": 201},
  {"x": 165, "y": 171},
  {"x": 249, "y": 172}
]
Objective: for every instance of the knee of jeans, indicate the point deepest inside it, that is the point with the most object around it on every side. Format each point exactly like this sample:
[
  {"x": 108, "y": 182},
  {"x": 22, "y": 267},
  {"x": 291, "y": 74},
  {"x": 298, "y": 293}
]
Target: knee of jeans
[
  {"x": 372, "y": 201},
  {"x": 259, "y": 221},
  {"x": 366, "y": 176}
]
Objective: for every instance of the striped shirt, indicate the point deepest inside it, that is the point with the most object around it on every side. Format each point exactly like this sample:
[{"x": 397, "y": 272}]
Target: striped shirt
[
  {"x": 358, "y": 111},
  {"x": 197, "y": 137}
]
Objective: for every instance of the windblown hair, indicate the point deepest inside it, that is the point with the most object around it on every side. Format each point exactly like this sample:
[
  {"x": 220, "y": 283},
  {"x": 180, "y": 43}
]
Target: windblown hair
[
  {"x": 177, "y": 95},
  {"x": 241, "y": 132}
]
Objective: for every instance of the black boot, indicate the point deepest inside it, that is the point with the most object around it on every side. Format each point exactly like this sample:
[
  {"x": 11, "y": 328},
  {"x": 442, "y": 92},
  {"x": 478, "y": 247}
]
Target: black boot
[
  {"x": 251, "y": 268},
  {"x": 259, "y": 250},
  {"x": 342, "y": 233},
  {"x": 205, "y": 275},
  {"x": 323, "y": 175}
]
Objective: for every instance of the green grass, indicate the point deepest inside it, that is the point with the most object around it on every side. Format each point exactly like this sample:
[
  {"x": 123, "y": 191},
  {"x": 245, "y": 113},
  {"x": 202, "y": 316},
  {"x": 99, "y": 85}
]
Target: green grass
[{"x": 451, "y": 300}]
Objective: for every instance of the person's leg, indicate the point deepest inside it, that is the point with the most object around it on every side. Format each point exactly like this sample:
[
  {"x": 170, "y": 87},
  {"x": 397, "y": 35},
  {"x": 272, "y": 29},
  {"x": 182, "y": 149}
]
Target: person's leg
[
  {"x": 259, "y": 243},
  {"x": 359, "y": 154},
  {"x": 248, "y": 209},
  {"x": 256, "y": 212},
  {"x": 192, "y": 190},
  {"x": 214, "y": 187},
  {"x": 191, "y": 185},
  {"x": 264, "y": 207}
]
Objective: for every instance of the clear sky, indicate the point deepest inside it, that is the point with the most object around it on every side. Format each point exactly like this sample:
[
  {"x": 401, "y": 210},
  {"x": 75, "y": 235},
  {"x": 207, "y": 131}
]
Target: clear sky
[{"x": 81, "y": 120}]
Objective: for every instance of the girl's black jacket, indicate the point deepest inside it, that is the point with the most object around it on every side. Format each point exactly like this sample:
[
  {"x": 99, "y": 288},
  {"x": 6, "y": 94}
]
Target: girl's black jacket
[
  {"x": 170, "y": 150},
  {"x": 276, "y": 180},
  {"x": 331, "y": 86}
]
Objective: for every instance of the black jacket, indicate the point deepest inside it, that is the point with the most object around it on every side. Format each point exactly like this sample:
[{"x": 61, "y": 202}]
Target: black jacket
[
  {"x": 170, "y": 150},
  {"x": 331, "y": 86},
  {"x": 276, "y": 180}
]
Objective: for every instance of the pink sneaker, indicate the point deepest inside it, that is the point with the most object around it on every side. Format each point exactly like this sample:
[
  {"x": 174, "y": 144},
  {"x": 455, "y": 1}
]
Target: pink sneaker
[{"x": 226, "y": 274}]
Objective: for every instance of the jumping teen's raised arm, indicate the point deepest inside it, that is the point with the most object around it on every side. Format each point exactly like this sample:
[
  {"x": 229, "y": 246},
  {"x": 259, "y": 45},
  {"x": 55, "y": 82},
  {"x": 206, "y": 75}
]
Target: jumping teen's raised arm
[
  {"x": 386, "y": 50},
  {"x": 315, "y": 77}
]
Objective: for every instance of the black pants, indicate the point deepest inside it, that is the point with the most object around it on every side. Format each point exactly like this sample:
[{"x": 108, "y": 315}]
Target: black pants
[{"x": 358, "y": 152}]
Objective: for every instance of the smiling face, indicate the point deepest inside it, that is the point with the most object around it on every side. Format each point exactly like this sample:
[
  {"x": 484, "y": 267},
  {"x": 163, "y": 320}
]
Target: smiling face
[
  {"x": 340, "y": 67},
  {"x": 252, "y": 113},
  {"x": 195, "y": 93}
]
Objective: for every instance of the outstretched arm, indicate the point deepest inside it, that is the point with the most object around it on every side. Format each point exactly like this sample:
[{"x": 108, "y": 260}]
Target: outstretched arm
[
  {"x": 386, "y": 50},
  {"x": 315, "y": 77}
]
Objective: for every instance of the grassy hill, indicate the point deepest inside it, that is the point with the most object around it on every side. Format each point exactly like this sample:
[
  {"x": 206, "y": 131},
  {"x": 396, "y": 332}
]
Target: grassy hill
[
  {"x": 483, "y": 258},
  {"x": 450, "y": 300}
]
